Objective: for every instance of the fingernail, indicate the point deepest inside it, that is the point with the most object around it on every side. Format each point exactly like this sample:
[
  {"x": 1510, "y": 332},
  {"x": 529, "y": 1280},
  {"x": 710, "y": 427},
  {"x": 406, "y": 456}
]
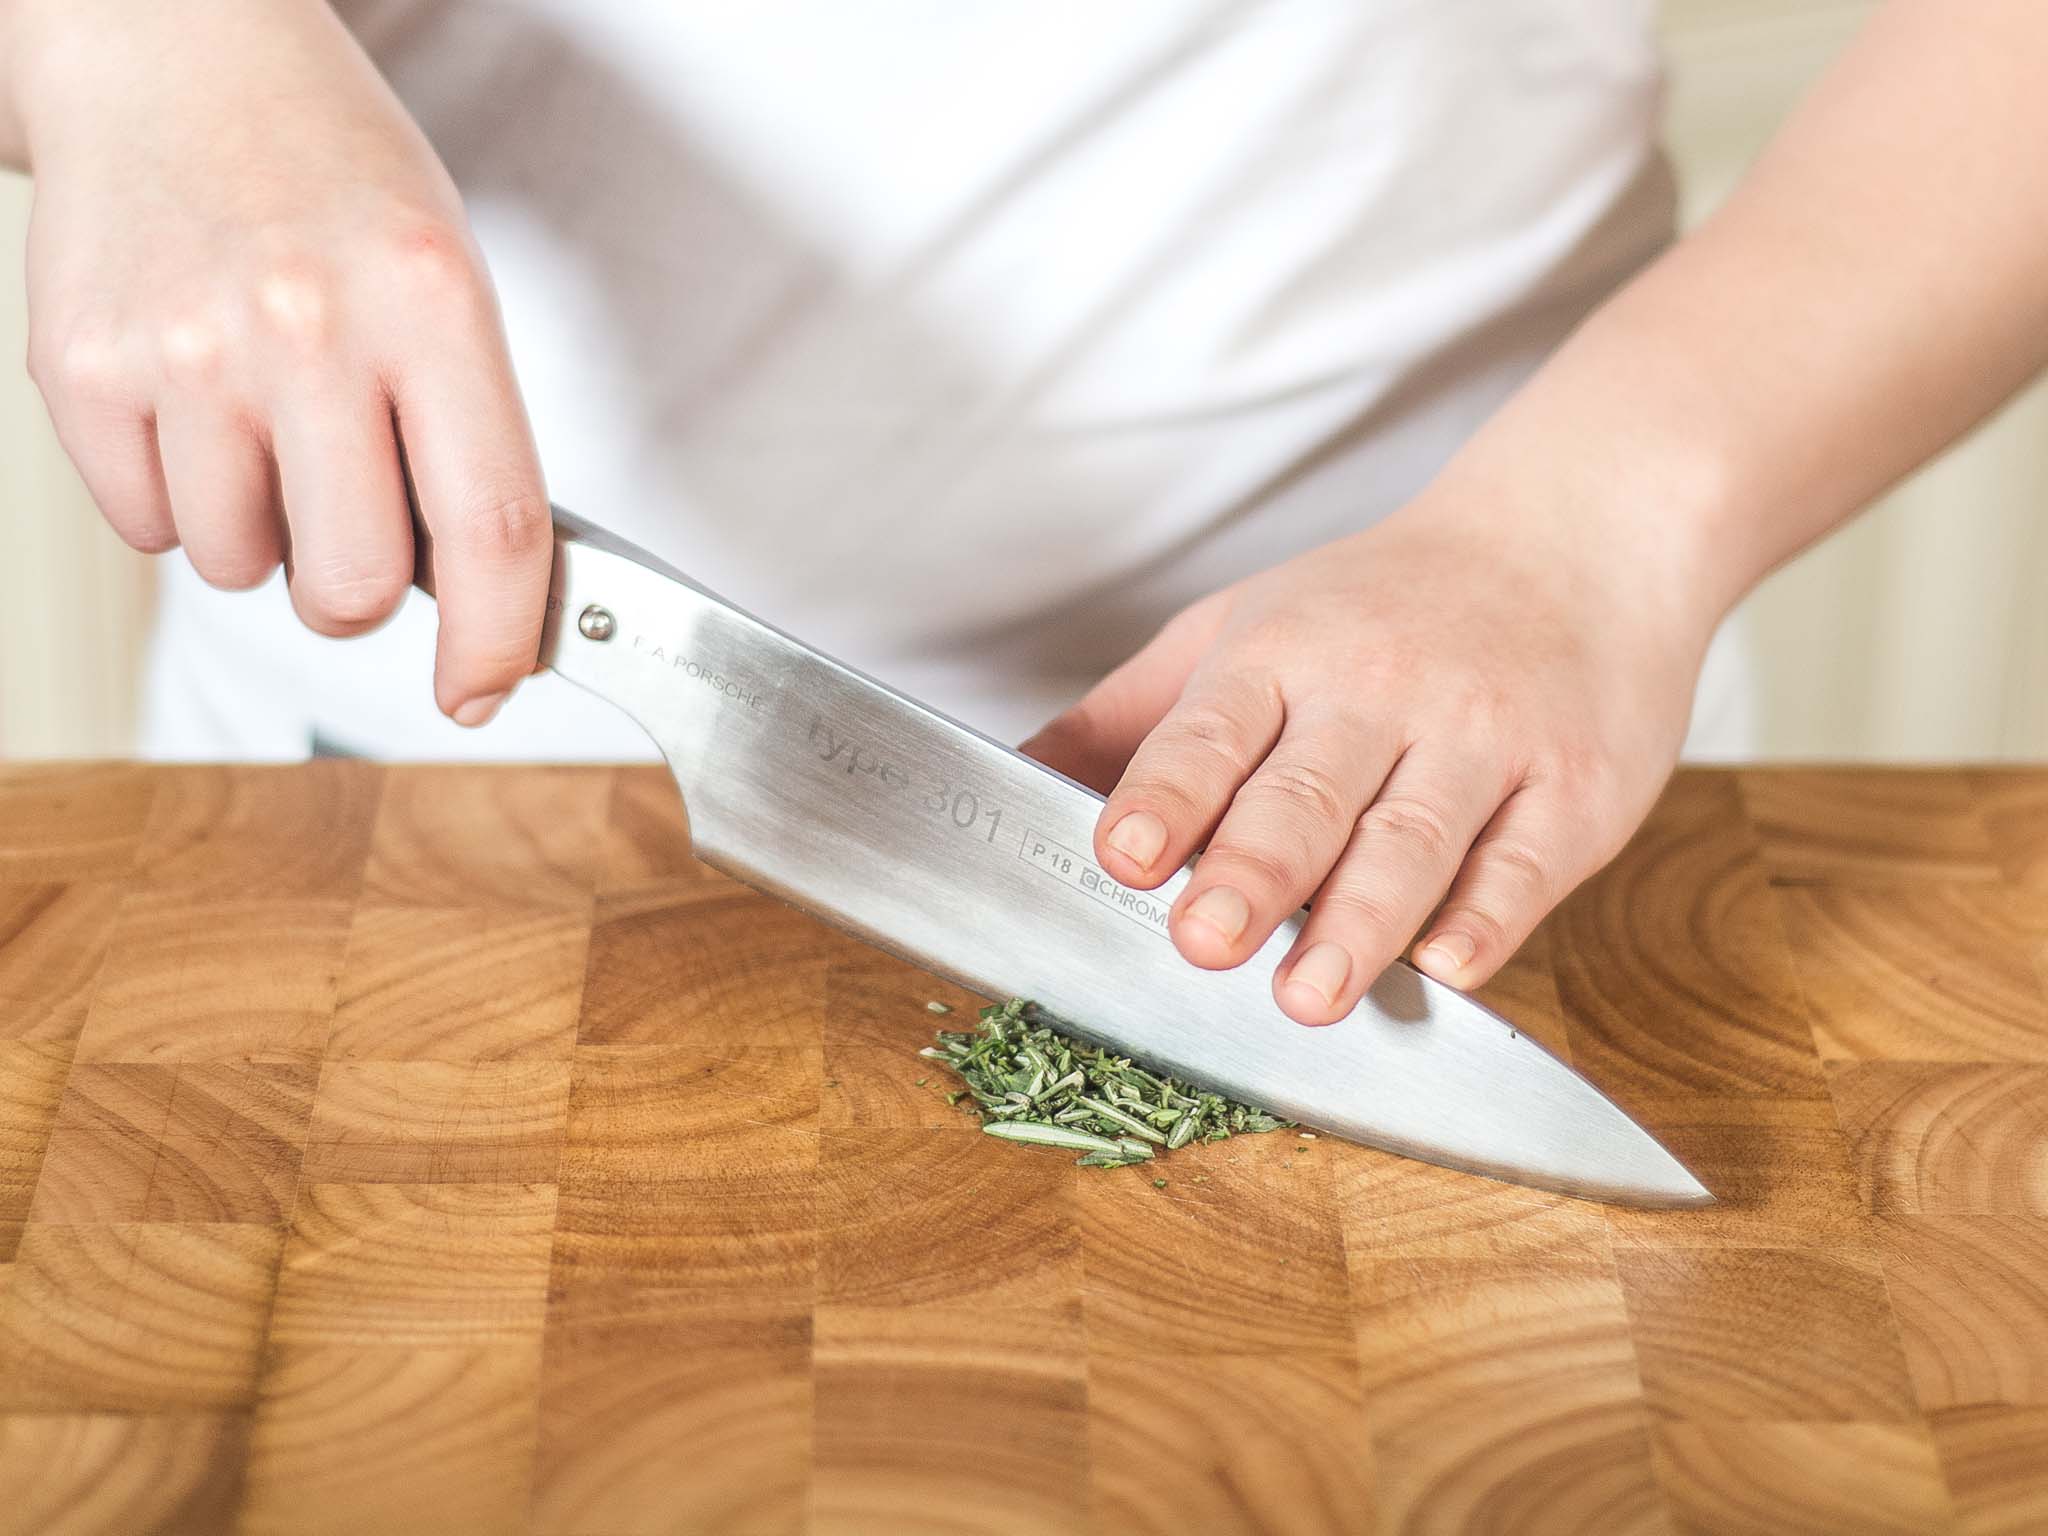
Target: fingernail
[
  {"x": 1323, "y": 970},
  {"x": 1445, "y": 955},
  {"x": 478, "y": 711},
  {"x": 1223, "y": 909},
  {"x": 1139, "y": 837}
]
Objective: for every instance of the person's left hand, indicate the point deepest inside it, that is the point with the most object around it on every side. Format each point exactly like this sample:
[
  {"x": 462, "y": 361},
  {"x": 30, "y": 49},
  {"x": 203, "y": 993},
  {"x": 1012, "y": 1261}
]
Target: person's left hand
[{"x": 1462, "y": 711}]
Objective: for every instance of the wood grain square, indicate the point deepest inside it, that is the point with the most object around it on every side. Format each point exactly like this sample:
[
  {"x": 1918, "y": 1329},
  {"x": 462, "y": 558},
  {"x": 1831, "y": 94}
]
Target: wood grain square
[
  {"x": 79, "y": 1474},
  {"x": 349, "y": 1438},
  {"x": 198, "y": 1296},
  {"x": 1997, "y": 1472},
  {"x": 130, "y": 1097},
  {"x": 644, "y": 1235},
  {"x": 720, "y": 1231},
  {"x": 443, "y": 1102},
  {"x": 906, "y": 1404},
  {"x": 1759, "y": 1334},
  {"x": 501, "y": 836},
  {"x": 1933, "y": 973},
  {"x": 901, "y": 1212},
  {"x": 875, "y": 1023},
  {"x": 1938, "y": 1138},
  {"x": 1301, "y": 1462},
  {"x": 53, "y": 939},
  {"x": 94, "y": 1176},
  {"x": 255, "y": 1101},
  {"x": 1971, "y": 1294},
  {"x": 717, "y": 974},
  {"x": 1501, "y": 1397},
  {"x": 32, "y": 1077},
  {"x": 72, "y": 821},
  {"x": 1250, "y": 1262},
  {"x": 426, "y": 1265},
  {"x": 237, "y": 833},
  {"x": 227, "y": 981},
  {"x": 698, "y": 1105},
  {"x": 223, "y": 1179},
  {"x": 1394, "y": 1207},
  {"x": 1858, "y": 827},
  {"x": 61, "y": 1317},
  {"x": 428, "y": 1122},
  {"x": 1780, "y": 1170},
  {"x": 2014, "y": 805},
  {"x": 1802, "y": 1479},
  {"x": 619, "y": 1406},
  {"x": 734, "y": 1259},
  {"x": 647, "y": 833},
  {"x": 650, "y": 1171},
  {"x": 1672, "y": 966},
  {"x": 445, "y": 984},
  {"x": 135, "y": 1318}
]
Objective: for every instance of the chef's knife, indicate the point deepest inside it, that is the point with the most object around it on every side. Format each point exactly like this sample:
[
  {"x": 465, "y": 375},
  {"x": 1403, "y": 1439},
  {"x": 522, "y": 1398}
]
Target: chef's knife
[{"x": 818, "y": 785}]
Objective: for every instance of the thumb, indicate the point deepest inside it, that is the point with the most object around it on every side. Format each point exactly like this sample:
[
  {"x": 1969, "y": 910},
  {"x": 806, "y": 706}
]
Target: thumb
[{"x": 1094, "y": 740}]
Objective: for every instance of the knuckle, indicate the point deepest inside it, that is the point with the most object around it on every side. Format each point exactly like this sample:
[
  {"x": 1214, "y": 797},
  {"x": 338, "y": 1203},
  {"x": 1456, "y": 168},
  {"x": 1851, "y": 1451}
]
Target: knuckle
[
  {"x": 297, "y": 301},
  {"x": 1490, "y": 931},
  {"x": 1411, "y": 822},
  {"x": 1255, "y": 869},
  {"x": 1306, "y": 789},
  {"x": 1525, "y": 865},
  {"x": 433, "y": 260},
  {"x": 345, "y": 598},
  {"x": 1276, "y": 631},
  {"x": 192, "y": 350},
  {"x": 1582, "y": 771},
  {"x": 1203, "y": 736},
  {"x": 1182, "y": 809},
  {"x": 507, "y": 527},
  {"x": 1484, "y": 711},
  {"x": 1361, "y": 911},
  {"x": 234, "y": 571},
  {"x": 84, "y": 363},
  {"x": 145, "y": 533}
]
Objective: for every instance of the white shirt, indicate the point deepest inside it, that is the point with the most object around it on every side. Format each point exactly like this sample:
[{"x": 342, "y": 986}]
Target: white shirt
[{"x": 969, "y": 340}]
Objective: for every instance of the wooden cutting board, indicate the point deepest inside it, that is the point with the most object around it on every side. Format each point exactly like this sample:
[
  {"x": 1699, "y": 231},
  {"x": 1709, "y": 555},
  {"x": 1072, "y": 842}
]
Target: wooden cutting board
[{"x": 441, "y": 1149}]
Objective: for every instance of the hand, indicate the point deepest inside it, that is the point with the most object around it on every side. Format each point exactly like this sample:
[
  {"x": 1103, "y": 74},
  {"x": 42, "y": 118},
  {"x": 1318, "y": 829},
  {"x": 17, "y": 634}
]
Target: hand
[
  {"x": 250, "y": 281},
  {"x": 1441, "y": 715}
]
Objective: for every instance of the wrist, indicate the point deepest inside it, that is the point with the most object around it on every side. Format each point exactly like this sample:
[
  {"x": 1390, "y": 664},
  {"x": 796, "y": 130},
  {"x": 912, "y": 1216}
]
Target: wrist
[
  {"x": 1607, "y": 460},
  {"x": 38, "y": 39}
]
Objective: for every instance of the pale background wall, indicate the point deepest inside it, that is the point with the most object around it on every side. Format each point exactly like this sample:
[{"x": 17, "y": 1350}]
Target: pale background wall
[{"x": 1921, "y": 632}]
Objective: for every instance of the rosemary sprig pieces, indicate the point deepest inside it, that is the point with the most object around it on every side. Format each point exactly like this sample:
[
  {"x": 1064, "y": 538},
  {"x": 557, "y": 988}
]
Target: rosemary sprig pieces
[{"x": 1025, "y": 1081}]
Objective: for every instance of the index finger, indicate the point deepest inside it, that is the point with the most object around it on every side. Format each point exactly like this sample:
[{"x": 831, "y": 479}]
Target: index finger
[{"x": 477, "y": 487}]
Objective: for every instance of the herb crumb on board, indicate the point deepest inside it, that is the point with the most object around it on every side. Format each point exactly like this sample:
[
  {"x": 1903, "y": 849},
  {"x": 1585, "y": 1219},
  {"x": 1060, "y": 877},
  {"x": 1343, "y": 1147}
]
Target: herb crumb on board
[{"x": 1026, "y": 1081}]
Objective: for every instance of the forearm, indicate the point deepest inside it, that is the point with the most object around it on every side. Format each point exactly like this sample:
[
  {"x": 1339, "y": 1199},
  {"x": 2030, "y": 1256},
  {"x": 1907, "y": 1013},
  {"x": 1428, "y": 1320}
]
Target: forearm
[
  {"x": 13, "y": 46},
  {"x": 1877, "y": 285}
]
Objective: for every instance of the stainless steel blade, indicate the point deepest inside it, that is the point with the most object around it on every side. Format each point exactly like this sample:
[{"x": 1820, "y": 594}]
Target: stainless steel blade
[{"x": 821, "y": 786}]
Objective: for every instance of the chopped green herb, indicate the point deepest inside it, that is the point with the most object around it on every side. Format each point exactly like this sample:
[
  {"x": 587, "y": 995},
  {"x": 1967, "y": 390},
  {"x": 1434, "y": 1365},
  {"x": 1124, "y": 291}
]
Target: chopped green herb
[
  {"x": 936, "y": 1007},
  {"x": 1038, "y": 1133},
  {"x": 1026, "y": 1081},
  {"x": 1159, "y": 1183},
  {"x": 922, "y": 1081}
]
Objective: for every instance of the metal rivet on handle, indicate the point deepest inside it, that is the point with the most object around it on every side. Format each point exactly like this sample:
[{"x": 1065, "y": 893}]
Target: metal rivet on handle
[{"x": 596, "y": 623}]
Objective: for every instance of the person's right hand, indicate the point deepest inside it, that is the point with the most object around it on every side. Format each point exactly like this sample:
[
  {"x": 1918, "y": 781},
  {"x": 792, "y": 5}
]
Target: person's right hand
[{"x": 250, "y": 281}]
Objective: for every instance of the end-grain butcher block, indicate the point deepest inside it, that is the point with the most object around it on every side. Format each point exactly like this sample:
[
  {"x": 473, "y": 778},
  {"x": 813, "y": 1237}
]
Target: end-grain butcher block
[{"x": 442, "y": 1149}]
